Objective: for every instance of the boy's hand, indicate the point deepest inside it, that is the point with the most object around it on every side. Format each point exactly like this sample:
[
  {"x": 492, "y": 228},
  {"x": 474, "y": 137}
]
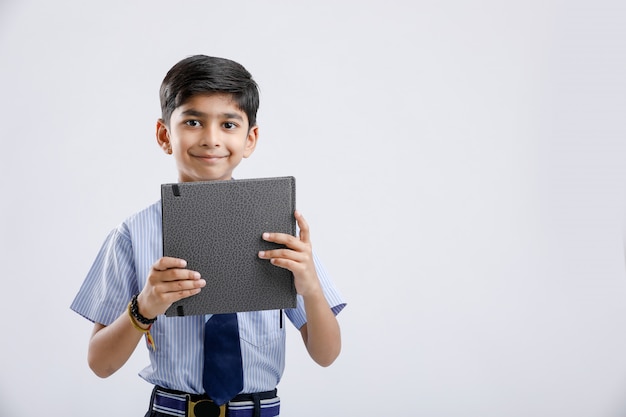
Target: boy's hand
[
  {"x": 296, "y": 257},
  {"x": 167, "y": 282},
  {"x": 320, "y": 333}
]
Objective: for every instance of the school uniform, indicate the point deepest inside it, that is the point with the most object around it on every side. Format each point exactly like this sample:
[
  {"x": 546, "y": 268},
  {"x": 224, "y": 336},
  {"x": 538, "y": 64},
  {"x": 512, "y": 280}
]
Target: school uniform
[{"x": 120, "y": 270}]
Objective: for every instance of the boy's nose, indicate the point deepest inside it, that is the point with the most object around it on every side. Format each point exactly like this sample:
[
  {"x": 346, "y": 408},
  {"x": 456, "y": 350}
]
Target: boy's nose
[{"x": 210, "y": 138}]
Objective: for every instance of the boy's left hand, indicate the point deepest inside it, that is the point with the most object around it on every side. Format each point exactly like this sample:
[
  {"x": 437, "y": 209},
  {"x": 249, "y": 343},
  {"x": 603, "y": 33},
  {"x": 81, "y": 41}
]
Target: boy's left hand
[{"x": 296, "y": 257}]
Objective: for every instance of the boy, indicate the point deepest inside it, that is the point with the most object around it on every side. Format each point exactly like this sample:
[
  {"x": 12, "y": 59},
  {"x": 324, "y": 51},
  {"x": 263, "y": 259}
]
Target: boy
[{"x": 208, "y": 125}]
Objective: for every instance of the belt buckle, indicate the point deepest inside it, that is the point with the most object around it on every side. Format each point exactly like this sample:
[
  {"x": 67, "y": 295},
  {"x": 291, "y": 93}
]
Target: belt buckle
[{"x": 205, "y": 408}]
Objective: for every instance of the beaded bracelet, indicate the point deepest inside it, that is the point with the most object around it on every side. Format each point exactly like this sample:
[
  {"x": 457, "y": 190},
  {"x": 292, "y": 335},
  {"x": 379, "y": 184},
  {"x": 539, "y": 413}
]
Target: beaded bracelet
[
  {"x": 134, "y": 309},
  {"x": 149, "y": 338}
]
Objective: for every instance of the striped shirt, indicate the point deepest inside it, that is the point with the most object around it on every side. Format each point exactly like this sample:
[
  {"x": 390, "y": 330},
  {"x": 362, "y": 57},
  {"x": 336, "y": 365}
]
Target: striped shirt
[{"x": 120, "y": 270}]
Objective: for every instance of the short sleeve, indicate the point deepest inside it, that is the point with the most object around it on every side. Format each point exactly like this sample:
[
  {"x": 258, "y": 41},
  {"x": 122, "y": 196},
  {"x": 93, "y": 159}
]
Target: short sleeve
[
  {"x": 111, "y": 281},
  {"x": 333, "y": 296}
]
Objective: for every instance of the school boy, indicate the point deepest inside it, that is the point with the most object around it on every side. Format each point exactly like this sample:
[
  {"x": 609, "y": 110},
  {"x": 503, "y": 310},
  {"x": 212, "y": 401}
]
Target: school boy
[{"x": 208, "y": 126}]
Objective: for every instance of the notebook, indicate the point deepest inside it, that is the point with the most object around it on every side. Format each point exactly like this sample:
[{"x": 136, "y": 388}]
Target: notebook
[{"x": 216, "y": 226}]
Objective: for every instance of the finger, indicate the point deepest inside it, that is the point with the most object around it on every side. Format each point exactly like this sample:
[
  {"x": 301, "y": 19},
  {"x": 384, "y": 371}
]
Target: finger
[
  {"x": 179, "y": 275},
  {"x": 171, "y": 269},
  {"x": 304, "y": 227},
  {"x": 285, "y": 263},
  {"x": 282, "y": 239},
  {"x": 183, "y": 287},
  {"x": 167, "y": 262},
  {"x": 282, "y": 254},
  {"x": 160, "y": 291}
]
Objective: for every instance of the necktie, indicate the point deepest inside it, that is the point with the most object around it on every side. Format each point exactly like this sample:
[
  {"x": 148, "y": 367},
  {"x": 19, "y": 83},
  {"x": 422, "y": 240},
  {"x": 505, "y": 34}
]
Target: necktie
[{"x": 223, "y": 371}]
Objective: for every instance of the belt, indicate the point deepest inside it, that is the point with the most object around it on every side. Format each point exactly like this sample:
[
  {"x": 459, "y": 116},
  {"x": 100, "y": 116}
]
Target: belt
[{"x": 181, "y": 404}]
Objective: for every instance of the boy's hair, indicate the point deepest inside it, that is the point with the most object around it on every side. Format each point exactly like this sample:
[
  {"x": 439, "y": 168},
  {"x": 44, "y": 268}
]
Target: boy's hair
[{"x": 201, "y": 74}]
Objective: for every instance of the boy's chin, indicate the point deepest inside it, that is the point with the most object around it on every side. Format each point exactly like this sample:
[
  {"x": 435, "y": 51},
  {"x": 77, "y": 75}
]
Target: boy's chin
[{"x": 200, "y": 178}]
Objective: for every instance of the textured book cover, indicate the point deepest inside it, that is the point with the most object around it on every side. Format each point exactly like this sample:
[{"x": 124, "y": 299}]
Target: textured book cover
[{"x": 216, "y": 227}]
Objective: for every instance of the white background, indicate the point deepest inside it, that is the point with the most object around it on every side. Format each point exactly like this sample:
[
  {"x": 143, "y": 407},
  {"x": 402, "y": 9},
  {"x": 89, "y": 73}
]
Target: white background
[{"x": 461, "y": 164}]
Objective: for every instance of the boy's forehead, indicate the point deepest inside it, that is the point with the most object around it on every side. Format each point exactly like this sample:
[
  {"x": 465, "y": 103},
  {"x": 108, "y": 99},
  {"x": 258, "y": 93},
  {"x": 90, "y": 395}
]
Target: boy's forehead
[
  {"x": 225, "y": 98},
  {"x": 208, "y": 103}
]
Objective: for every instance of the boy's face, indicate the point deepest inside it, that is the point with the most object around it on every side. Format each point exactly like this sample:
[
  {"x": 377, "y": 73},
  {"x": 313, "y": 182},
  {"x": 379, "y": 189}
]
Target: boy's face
[{"x": 208, "y": 136}]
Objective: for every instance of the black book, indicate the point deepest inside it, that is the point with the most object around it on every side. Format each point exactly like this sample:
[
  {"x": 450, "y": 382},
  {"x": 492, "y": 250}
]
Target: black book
[{"x": 217, "y": 227}]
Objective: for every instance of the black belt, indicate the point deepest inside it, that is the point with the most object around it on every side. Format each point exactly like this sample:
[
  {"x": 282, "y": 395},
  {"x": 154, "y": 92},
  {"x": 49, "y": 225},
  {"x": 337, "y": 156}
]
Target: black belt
[{"x": 182, "y": 404}]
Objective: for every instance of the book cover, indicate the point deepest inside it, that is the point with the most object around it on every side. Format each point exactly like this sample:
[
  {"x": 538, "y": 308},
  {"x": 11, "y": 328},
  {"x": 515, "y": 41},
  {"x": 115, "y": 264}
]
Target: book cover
[{"x": 217, "y": 227}]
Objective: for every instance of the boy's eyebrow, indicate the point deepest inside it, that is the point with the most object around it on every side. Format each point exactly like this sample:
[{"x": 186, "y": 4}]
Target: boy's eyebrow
[
  {"x": 232, "y": 116},
  {"x": 196, "y": 113}
]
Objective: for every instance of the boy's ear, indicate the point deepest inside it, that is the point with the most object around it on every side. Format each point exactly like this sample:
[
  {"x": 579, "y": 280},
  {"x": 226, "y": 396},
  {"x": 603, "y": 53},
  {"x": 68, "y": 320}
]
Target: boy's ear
[
  {"x": 251, "y": 140},
  {"x": 163, "y": 137}
]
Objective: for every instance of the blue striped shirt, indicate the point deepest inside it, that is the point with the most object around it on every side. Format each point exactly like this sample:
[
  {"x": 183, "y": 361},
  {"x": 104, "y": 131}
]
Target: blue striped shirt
[{"x": 121, "y": 269}]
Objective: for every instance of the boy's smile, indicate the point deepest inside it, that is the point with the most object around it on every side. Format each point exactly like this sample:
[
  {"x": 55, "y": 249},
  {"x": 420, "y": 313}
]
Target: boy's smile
[{"x": 208, "y": 135}]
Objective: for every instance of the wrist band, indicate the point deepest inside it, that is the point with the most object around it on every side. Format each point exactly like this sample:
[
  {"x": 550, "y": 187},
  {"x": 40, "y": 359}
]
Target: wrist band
[
  {"x": 149, "y": 338},
  {"x": 134, "y": 309}
]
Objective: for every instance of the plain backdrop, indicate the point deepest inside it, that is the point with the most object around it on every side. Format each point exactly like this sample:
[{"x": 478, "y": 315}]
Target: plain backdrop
[{"x": 461, "y": 164}]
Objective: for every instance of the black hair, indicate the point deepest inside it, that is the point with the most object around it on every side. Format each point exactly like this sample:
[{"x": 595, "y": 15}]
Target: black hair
[{"x": 201, "y": 74}]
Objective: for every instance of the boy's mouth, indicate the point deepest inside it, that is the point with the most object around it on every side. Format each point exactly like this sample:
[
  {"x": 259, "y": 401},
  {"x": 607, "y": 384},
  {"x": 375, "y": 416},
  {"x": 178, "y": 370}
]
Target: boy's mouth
[{"x": 210, "y": 158}]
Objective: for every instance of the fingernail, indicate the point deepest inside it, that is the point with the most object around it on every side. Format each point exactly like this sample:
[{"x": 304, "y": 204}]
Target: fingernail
[
  {"x": 261, "y": 254},
  {"x": 266, "y": 235}
]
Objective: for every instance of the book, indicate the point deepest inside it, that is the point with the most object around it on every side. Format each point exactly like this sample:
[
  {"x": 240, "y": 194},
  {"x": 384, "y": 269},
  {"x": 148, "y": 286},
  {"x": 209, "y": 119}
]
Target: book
[{"x": 217, "y": 227}]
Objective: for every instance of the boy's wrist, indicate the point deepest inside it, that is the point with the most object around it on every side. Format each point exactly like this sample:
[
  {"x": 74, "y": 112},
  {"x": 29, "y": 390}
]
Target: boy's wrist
[
  {"x": 139, "y": 326},
  {"x": 313, "y": 294},
  {"x": 134, "y": 310}
]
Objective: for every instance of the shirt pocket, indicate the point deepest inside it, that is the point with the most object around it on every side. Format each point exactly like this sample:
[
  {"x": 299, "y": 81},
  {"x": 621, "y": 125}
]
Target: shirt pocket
[{"x": 261, "y": 328}]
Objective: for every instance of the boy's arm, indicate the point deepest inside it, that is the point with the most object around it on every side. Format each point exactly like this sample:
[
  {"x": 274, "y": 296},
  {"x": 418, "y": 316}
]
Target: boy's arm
[
  {"x": 321, "y": 333},
  {"x": 168, "y": 281},
  {"x": 111, "y": 346}
]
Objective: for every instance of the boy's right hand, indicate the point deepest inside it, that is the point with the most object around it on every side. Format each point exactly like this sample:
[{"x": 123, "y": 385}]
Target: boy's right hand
[{"x": 168, "y": 282}]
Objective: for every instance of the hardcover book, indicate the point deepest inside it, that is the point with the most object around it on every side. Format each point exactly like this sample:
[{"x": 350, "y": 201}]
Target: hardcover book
[{"x": 217, "y": 227}]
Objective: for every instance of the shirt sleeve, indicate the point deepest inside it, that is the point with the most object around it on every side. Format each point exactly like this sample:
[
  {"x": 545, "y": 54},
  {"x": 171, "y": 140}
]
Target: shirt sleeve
[
  {"x": 111, "y": 281},
  {"x": 333, "y": 296}
]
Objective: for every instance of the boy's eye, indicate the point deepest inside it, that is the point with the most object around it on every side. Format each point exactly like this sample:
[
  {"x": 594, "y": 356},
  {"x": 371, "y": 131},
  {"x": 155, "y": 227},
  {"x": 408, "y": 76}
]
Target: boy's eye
[
  {"x": 193, "y": 123},
  {"x": 229, "y": 125}
]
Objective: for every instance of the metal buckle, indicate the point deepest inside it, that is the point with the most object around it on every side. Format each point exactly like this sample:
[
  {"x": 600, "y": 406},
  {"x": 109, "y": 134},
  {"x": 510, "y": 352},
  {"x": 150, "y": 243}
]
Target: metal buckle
[{"x": 205, "y": 408}]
